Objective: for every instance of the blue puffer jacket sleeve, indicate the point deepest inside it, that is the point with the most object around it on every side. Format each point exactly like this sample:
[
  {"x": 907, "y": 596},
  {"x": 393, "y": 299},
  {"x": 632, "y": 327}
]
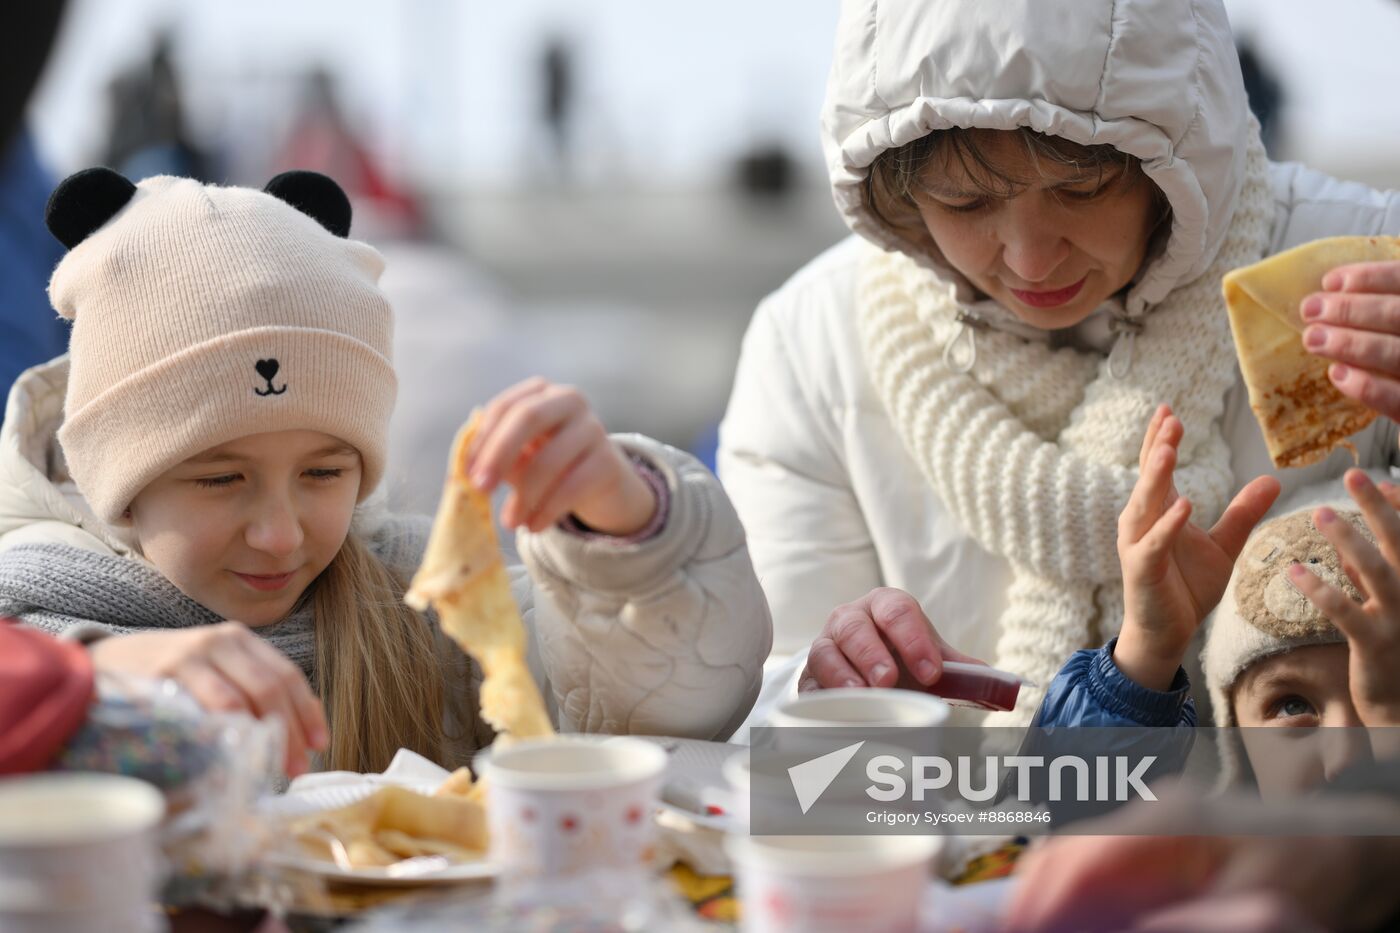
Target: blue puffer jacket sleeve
[{"x": 1090, "y": 690}]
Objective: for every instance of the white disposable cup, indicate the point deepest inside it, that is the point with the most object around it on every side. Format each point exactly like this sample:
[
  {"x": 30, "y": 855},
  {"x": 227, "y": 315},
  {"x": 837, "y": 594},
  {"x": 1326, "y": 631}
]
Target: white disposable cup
[
  {"x": 831, "y": 884},
  {"x": 864, "y": 707},
  {"x": 823, "y": 720},
  {"x": 572, "y": 804},
  {"x": 78, "y": 848}
]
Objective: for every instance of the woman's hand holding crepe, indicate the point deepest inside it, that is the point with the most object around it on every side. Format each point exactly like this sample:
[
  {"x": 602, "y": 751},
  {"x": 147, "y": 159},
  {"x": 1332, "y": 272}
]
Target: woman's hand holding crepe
[
  {"x": 1355, "y": 321},
  {"x": 1174, "y": 573},
  {"x": 546, "y": 443}
]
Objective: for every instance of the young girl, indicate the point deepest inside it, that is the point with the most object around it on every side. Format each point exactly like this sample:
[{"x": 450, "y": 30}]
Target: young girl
[
  {"x": 195, "y": 481},
  {"x": 1047, "y": 195}
]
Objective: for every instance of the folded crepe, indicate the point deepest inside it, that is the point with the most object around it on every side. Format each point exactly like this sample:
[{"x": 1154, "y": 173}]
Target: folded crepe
[
  {"x": 464, "y": 578},
  {"x": 1303, "y": 416}
]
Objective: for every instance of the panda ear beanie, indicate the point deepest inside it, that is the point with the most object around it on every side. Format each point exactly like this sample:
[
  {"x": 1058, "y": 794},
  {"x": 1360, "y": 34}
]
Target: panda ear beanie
[{"x": 202, "y": 314}]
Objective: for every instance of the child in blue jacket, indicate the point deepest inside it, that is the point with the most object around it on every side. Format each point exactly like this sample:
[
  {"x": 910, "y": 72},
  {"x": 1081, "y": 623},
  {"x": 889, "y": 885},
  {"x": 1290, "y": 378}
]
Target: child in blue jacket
[{"x": 1316, "y": 593}]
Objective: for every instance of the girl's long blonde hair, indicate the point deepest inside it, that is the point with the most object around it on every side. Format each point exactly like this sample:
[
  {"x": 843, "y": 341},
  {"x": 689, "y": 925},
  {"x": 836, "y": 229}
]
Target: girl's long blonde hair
[{"x": 378, "y": 671}]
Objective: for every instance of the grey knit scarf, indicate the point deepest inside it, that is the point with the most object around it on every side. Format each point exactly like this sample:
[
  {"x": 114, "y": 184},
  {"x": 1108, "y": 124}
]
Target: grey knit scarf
[{"x": 54, "y": 587}]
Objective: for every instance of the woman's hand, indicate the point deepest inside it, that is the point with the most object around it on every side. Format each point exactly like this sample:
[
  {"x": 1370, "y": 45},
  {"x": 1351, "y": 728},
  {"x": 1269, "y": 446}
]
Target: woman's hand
[
  {"x": 1372, "y": 628},
  {"x": 1174, "y": 573},
  {"x": 545, "y": 442},
  {"x": 226, "y": 668},
  {"x": 882, "y": 639},
  {"x": 1355, "y": 321}
]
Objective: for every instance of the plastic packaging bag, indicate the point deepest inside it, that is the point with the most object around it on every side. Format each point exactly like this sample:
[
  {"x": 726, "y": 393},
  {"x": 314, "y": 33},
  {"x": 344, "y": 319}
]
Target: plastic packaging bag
[{"x": 211, "y": 767}]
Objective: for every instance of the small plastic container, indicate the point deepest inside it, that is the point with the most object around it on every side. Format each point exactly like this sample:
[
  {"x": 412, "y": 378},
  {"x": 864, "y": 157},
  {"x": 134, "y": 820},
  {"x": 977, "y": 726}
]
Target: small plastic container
[{"x": 977, "y": 686}]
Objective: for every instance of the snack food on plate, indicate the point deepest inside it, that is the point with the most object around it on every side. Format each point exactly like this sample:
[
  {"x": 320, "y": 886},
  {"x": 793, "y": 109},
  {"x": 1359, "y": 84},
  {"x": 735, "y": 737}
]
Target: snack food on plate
[
  {"x": 1303, "y": 416},
  {"x": 395, "y": 823},
  {"x": 463, "y": 578}
]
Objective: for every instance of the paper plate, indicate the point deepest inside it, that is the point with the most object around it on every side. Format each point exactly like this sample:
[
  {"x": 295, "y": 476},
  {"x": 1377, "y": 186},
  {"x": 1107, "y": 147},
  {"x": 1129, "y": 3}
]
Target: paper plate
[{"x": 303, "y": 803}]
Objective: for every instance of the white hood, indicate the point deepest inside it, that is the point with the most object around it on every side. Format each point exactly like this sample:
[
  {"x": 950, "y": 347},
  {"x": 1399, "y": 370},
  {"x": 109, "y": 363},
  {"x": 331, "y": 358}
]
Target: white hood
[{"x": 1157, "y": 79}]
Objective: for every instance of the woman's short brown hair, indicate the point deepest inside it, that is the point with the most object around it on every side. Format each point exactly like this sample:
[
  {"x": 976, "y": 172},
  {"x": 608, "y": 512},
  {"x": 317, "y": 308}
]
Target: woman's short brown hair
[{"x": 894, "y": 182}]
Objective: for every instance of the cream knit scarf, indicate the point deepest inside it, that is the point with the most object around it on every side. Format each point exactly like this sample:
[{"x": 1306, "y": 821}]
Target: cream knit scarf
[{"x": 1035, "y": 449}]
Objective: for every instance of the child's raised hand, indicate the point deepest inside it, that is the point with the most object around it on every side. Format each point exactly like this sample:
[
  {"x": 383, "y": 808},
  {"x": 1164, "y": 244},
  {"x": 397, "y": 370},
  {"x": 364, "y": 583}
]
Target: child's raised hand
[
  {"x": 546, "y": 443},
  {"x": 1174, "y": 573},
  {"x": 1372, "y": 628},
  {"x": 226, "y": 668}
]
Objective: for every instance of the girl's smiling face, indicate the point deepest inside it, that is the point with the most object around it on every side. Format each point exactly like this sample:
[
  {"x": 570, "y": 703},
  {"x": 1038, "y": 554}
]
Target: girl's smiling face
[
  {"x": 1299, "y": 690},
  {"x": 1051, "y": 248},
  {"x": 244, "y": 528}
]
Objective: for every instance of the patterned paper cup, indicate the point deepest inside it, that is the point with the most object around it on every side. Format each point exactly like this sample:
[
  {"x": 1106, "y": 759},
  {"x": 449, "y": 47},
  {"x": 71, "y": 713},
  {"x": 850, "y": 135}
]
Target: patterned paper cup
[
  {"x": 572, "y": 804},
  {"x": 831, "y": 884},
  {"x": 78, "y": 849}
]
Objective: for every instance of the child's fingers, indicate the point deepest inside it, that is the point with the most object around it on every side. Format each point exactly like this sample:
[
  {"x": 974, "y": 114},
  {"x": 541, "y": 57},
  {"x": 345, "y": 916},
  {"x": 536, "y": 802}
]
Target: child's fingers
[
  {"x": 1149, "y": 439},
  {"x": 495, "y": 409},
  {"x": 1243, "y": 513},
  {"x": 1380, "y": 517},
  {"x": 533, "y": 417},
  {"x": 1378, "y": 576},
  {"x": 1355, "y": 577},
  {"x": 1149, "y": 495},
  {"x": 249, "y": 672},
  {"x": 569, "y": 489},
  {"x": 828, "y": 666},
  {"x": 1154, "y": 547},
  {"x": 547, "y": 467},
  {"x": 1391, "y": 493},
  {"x": 1333, "y": 603}
]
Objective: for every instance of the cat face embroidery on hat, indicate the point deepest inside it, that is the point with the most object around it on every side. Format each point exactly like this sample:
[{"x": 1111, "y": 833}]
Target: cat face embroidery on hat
[
  {"x": 196, "y": 311},
  {"x": 1267, "y": 599},
  {"x": 268, "y": 369}
]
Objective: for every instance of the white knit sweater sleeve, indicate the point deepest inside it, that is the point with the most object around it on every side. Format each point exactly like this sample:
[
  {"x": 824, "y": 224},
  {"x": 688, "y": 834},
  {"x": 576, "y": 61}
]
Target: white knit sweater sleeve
[
  {"x": 663, "y": 637},
  {"x": 780, "y": 461}
]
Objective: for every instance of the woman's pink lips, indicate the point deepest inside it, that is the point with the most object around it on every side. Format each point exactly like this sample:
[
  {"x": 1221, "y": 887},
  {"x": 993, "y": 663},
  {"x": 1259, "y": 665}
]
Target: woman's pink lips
[
  {"x": 1050, "y": 299},
  {"x": 264, "y": 583}
]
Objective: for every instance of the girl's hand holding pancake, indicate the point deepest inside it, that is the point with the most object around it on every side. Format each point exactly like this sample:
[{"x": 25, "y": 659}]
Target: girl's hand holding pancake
[
  {"x": 546, "y": 443},
  {"x": 1372, "y": 628},
  {"x": 1355, "y": 321},
  {"x": 226, "y": 668}
]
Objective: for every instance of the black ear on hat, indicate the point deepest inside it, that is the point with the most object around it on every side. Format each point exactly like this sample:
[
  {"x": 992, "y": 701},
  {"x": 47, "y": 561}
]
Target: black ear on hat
[
  {"x": 84, "y": 201},
  {"x": 315, "y": 195}
]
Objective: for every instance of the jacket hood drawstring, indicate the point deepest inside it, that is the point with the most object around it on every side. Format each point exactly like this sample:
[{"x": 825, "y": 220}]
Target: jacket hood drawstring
[
  {"x": 1125, "y": 330},
  {"x": 960, "y": 354}
]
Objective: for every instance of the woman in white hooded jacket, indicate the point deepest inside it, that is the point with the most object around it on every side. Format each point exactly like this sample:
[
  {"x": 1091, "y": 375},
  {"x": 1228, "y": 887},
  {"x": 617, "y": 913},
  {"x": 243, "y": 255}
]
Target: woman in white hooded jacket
[{"x": 940, "y": 417}]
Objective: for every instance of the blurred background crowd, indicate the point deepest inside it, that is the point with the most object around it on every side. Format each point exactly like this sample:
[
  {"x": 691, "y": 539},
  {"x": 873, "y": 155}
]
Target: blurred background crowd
[{"x": 597, "y": 191}]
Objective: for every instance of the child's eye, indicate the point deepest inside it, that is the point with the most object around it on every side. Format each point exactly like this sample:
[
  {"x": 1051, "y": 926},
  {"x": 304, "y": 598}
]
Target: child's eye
[
  {"x": 1293, "y": 707},
  {"x": 324, "y": 475},
  {"x": 218, "y": 482}
]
